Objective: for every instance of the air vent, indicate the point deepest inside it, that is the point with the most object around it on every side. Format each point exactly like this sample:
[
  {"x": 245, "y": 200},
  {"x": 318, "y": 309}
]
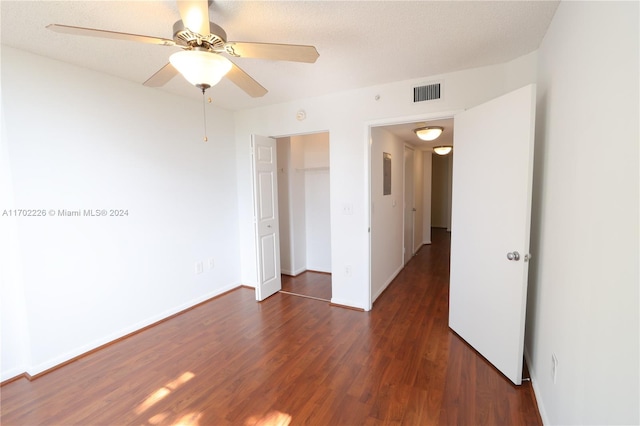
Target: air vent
[{"x": 426, "y": 93}]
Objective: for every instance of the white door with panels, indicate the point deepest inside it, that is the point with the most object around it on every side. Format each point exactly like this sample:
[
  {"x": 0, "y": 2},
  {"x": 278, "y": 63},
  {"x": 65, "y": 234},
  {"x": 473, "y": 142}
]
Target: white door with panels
[
  {"x": 492, "y": 184},
  {"x": 266, "y": 216}
]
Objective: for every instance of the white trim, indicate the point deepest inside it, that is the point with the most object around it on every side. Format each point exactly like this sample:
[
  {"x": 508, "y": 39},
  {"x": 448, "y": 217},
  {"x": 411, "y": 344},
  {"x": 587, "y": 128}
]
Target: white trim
[
  {"x": 348, "y": 304},
  {"x": 404, "y": 203},
  {"x": 44, "y": 366},
  {"x": 443, "y": 115},
  {"x": 536, "y": 391},
  {"x": 389, "y": 281},
  {"x": 13, "y": 373},
  {"x": 367, "y": 207},
  {"x": 297, "y": 271}
]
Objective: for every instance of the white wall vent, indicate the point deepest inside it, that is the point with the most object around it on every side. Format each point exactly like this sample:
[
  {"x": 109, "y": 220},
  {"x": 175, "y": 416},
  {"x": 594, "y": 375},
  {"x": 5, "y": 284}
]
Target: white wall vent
[{"x": 428, "y": 92}]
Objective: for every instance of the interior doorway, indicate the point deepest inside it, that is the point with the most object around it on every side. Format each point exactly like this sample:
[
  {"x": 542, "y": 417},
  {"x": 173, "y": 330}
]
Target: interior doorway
[
  {"x": 304, "y": 215},
  {"x": 402, "y": 217},
  {"x": 490, "y": 217}
]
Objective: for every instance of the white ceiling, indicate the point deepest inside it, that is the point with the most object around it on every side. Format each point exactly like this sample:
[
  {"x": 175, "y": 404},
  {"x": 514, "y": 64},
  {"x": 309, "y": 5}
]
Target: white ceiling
[{"x": 361, "y": 43}]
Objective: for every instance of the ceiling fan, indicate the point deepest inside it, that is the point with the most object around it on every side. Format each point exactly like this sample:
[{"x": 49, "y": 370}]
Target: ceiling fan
[{"x": 201, "y": 61}]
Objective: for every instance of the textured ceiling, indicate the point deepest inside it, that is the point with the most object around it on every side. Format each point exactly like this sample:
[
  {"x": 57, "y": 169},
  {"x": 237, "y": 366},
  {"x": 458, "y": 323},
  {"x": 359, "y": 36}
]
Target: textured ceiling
[{"x": 361, "y": 43}]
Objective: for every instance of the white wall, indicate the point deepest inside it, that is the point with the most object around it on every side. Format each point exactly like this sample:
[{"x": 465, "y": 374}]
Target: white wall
[
  {"x": 285, "y": 174},
  {"x": 13, "y": 319},
  {"x": 77, "y": 139},
  {"x": 317, "y": 201},
  {"x": 387, "y": 212},
  {"x": 347, "y": 116},
  {"x": 583, "y": 291}
]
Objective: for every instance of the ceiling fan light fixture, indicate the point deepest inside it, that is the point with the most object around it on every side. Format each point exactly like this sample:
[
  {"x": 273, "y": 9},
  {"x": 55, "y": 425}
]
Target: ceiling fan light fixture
[
  {"x": 442, "y": 150},
  {"x": 428, "y": 133},
  {"x": 201, "y": 68}
]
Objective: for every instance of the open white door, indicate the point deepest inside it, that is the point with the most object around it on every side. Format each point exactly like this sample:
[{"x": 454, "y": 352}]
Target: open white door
[
  {"x": 265, "y": 193},
  {"x": 492, "y": 183},
  {"x": 409, "y": 205}
]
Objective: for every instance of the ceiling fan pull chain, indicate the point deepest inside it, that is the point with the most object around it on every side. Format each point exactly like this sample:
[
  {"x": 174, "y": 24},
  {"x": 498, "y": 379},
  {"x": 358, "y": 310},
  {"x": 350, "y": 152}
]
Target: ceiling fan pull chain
[{"x": 204, "y": 117}]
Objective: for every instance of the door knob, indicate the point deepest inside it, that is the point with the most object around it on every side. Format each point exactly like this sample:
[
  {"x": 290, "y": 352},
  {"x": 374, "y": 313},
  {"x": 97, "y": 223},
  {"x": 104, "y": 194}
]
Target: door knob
[{"x": 513, "y": 255}]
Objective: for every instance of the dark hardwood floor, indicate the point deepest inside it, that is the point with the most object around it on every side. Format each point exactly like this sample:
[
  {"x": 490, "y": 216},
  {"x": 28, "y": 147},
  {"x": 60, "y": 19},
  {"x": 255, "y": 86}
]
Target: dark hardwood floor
[
  {"x": 235, "y": 361},
  {"x": 309, "y": 283}
]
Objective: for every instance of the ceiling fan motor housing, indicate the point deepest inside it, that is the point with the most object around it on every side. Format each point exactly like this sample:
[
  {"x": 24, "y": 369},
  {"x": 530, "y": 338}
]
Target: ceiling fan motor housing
[{"x": 214, "y": 41}]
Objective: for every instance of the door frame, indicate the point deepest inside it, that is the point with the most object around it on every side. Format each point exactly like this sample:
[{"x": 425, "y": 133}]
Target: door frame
[
  {"x": 408, "y": 147},
  {"x": 367, "y": 190}
]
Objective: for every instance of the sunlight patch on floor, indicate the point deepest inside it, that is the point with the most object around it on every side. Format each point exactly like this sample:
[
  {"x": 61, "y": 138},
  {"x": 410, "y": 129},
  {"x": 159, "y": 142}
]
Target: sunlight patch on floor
[
  {"x": 191, "y": 419},
  {"x": 272, "y": 418},
  {"x": 158, "y": 418},
  {"x": 162, "y": 392}
]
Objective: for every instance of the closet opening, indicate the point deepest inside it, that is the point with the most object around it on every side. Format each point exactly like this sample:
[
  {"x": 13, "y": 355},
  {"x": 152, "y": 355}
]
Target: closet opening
[{"x": 304, "y": 215}]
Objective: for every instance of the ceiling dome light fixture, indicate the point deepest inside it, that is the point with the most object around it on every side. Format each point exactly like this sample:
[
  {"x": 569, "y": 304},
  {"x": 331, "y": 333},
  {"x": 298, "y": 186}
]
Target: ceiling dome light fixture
[
  {"x": 428, "y": 133},
  {"x": 442, "y": 150},
  {"x": 200, "y": 67},
  {"x": 203, "y": 69}
]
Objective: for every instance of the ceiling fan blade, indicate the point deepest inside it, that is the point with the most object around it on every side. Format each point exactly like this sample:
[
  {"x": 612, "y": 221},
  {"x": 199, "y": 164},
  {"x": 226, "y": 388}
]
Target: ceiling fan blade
[
  {"x": 195, "y": 15},
  {"x": 162, "y": 76},
  {"x": 92, "y": 32},
  {"x": 276, "y": 52},
  {"x": 245, "y": 82}
]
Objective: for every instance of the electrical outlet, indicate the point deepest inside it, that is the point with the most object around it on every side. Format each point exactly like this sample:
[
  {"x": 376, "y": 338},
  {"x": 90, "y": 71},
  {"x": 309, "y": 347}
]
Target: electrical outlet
[
  {"x": 347, "y": 270},
  {"x": 554, "y": 367},
  {"x": 211, "y": 263},
  {"x": 199, "y": 268},
  {"x": 347, "y": 209}
]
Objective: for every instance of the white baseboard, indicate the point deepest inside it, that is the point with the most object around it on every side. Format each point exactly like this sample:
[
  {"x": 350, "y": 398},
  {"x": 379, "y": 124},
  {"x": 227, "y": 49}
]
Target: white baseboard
[
  {"x": 348, "y": 304},
  {"x": 294, "y": 272},
  {"x": 386, "y": 284},
  {"x": 319, "y": 269},
  {"x": 54, "y": 362},
  {"x": 536, "y": 390},
  {"x": 10, "y": 374}
]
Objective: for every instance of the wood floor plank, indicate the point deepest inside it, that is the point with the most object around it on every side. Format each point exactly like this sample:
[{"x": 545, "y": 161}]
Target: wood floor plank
[
  {"x": 232, "y": 361},
  {"x": 309, "y": 283}
]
